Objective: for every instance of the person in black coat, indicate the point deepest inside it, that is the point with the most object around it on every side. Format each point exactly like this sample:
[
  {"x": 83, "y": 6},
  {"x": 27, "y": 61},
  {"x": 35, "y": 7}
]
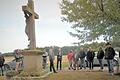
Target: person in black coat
[
  {"x": 59, "y": 59},
  {"x": 2, "y": 61},
  {"x": 100, "y": 56},
  {"x": 90, "y": 58},
  {"x": 109, "y": 56}
]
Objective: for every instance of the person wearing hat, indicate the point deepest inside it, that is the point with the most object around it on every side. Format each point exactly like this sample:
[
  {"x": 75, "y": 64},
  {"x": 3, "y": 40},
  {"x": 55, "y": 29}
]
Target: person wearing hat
[{"x": 109, "y": 56}]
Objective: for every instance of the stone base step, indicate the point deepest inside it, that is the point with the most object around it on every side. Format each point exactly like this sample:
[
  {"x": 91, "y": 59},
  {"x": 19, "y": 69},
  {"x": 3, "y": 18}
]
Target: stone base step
[{"x": 43, "y": 77}]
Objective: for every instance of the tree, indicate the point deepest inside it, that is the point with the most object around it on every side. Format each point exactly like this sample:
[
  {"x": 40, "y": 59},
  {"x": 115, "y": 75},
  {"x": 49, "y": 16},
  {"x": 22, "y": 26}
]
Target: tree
[{"x": 92, "y": 18}]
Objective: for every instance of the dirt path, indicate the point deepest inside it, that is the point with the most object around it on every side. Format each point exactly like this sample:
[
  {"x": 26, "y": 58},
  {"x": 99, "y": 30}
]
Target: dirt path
[{"x": 82, "y": 75}]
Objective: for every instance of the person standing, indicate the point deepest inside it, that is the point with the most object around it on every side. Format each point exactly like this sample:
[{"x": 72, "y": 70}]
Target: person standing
[
  {"x": 44, "y": 59},
  {"x": 2, "y": 61},
  {"x": 70, "y": 59},
  {"x": 109, "y": 56},
  {"x": 82, "y": 58},
  {"x": 75, "y": 59},
  {"x": 52, "y": 58},
  {"x": 90, "y": 58},
  {"x": 100, "y": 56},
  {"x": 59, "y": 58},
  {"x": 19, "y": 59}
]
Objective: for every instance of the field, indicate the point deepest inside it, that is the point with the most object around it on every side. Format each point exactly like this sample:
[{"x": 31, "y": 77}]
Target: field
[{"x": 8, "y": 59}]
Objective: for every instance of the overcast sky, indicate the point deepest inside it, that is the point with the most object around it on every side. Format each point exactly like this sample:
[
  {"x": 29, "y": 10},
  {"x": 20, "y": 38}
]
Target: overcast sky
[{"x": 50, "y": 30}]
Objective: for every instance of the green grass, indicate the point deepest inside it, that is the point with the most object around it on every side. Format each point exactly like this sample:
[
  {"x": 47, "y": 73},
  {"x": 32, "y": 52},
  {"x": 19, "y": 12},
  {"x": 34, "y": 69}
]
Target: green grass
[{"x": 82, "y": 75}]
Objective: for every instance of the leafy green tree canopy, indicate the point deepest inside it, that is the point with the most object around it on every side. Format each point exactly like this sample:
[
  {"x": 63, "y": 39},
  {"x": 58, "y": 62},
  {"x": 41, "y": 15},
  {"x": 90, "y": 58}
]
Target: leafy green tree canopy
[{"x": 92, "y": 18}]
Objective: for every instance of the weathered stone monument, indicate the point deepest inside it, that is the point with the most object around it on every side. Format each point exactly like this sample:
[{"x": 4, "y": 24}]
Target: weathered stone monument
[
  {"x": 30, "y": 16},
  {"x": 32, "y": 57},
  {"x": 33, "y": 69}
]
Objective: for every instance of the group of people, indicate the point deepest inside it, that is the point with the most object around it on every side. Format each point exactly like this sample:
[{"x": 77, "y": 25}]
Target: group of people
[
  {"x": 18, "y": 57},
  {"x": 108, "y": 54},
  {"x": 77, "y": 59},
  {"x": 52, "y": 58}
]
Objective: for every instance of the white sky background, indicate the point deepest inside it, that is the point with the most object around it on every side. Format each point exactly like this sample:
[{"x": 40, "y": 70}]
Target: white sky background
[{"x": 50, "y": 30}]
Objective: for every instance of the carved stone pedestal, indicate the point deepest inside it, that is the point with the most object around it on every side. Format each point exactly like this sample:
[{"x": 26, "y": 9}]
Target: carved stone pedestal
[
  {"x": 32, "y": 60},
  {"x": 33, "y": 69}
]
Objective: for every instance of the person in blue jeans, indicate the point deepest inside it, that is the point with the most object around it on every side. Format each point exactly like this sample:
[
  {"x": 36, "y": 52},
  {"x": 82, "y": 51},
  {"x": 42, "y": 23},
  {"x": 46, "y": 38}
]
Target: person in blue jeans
[
  {"x": 100, "y": 56},
  {"x": 109, "y": 56},
  {"x": 82, "y": 58}
]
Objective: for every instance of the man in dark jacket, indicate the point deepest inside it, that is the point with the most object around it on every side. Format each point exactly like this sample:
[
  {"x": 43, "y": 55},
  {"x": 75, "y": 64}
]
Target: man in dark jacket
[
  {"x": 2, "y": 60},
  {"x": 82, "y": 58},
  {"x": 100, "y": 56},
  {"x": 59, "y": 58},
  {"x": 90, "y": 58},
  {"x": 109, "y": 56}
]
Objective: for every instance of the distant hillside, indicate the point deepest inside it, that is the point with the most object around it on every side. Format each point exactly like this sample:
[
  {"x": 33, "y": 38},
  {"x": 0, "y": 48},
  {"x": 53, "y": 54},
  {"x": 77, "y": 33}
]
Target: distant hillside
[
  {"x": 9, "y": 54},
  {"x": 95, "y": 46}
]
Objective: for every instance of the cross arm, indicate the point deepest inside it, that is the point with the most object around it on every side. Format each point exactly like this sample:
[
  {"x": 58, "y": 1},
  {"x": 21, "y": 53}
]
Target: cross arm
[{"x": 30, "y": 11}]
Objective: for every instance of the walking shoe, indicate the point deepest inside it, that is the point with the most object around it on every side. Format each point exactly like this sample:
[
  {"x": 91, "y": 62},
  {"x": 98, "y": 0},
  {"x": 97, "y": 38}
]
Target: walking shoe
[
  {"x": 69, "y": 68},
  {"x": 111, "y": 74},
  {"x": 80, "y": 68},
  {"x": 101, "y": 70},
  {"x": 55, "y": 72}
]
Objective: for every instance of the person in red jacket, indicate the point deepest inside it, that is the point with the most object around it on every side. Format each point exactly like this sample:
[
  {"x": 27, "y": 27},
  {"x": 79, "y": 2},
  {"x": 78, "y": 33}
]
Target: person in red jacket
[{"x": 70, "y": 59}]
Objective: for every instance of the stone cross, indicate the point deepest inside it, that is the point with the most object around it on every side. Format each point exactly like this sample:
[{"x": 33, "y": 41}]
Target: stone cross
[{"x": 30, "y": 16}]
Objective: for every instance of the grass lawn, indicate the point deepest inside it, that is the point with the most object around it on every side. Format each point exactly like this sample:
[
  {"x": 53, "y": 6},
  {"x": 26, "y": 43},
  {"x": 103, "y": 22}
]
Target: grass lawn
[
  {"x": 66, "y": 74},
  {"x": 82, "y": 75}
]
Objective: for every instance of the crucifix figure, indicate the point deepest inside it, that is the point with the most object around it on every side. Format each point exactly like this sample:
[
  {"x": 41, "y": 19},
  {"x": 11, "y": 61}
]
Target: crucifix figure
[{"x": 30, "y": 17}]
